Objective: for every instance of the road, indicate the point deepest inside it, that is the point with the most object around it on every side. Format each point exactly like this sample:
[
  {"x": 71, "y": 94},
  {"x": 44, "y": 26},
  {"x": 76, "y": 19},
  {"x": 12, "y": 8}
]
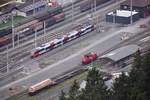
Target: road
[
  {"x": 68, "y": 12},
  {"x": 54, "y": 93},
  {"x": 62, "y": 66},
  {"x": 55, "y": 55},
  {"x": 23, "y": 52},
  {"x": 29, "y": 45}
]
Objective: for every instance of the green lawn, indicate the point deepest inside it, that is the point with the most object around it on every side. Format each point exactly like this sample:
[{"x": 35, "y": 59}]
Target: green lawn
[{"x": 17, "y": 19}]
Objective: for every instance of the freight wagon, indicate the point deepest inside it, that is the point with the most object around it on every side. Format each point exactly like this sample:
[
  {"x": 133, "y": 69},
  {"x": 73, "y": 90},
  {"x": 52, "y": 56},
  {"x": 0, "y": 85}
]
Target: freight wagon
[
  {"x": 28, "y": 27},
  {"x": 89, "y": 4},
  {"x": 41, "y": 85}
]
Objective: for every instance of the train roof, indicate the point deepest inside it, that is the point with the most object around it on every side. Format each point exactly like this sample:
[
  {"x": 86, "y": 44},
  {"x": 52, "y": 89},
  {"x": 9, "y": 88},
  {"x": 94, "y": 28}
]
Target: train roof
[
  {"x": 72, "y": 33},
  {"x": 57, "y": 40},
  {"x": 45, "y": 45},
  {"x": 38, "y": 48},
  {"x": 64, "y": 36}
]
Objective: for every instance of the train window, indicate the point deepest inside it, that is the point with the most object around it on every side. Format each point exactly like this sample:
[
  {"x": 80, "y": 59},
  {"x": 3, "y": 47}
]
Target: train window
[{"x": 59, "y": 42}]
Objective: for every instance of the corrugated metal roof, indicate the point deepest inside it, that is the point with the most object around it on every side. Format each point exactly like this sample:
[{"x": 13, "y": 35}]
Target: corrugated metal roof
[
  {"x": 138, "y": 3},
  {"x": 32, "y": 6},
  {"x": 121, "y": 53}
]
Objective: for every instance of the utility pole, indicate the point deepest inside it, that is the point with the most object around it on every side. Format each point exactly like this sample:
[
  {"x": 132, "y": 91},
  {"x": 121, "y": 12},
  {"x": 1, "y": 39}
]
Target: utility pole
[
  {"x": 92, "y": 12},
  {"x": 18, "y": 38},
  {"x": 44, "y": 31},
  {"x": 35, "y": 38},
  {"x": 95, "y": 5},
  {"x": 114, "y": 17},
  {"x": 12, "y": 26},
  {"x": 114, "y": 14},
  {"x": 72, "y": 7},
  {"x": 96, "y": 18},
  {"x": 33, "y": 7},
  {"x": 131, "y": 8},
  {"x": 7, "y": 60}
]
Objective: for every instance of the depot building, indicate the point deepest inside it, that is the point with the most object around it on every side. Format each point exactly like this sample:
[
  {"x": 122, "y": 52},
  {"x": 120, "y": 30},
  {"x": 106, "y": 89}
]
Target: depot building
[
  {"x": 122, "y": 16},
  {"x": 141, "y": 6}
]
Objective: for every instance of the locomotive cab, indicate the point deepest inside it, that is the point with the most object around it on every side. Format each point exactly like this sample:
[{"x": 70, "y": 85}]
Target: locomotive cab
[{"x": 88, "y": 58}]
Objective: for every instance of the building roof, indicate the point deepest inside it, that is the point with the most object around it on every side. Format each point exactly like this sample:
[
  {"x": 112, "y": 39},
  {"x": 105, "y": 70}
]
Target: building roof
[
  {"x": 121, "y": 53},
  {"x": 137, "y": 3},
  {"x": 122, "y": 13},
  {"x": 35, "y": 5},
  {"x": 6, "y": 6},
  {"x": 28, "y": 5},
  {"x": 8, "y": 2}
]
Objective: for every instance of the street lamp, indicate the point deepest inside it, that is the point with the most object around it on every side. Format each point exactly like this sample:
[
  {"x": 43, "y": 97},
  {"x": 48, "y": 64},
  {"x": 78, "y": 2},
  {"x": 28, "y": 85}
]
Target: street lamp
[
  {"x": 44, "y": 31},
  {"x": 12, "y": 25},
  {"x": 7, "y": 60},
  {"x": 72, "y": 6},
  {"x": 94, "y": 5},
  {"x": 35, "y": 38},
  {"x": 33, "y": 7},
  {"x": 114, "y": 16},
  {"x": 18, "y": 38},
  {"x": 131, "y": 8}
]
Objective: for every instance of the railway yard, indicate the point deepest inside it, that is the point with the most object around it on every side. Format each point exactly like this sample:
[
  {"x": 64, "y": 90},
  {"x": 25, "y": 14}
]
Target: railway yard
[{"x": 79, "y": 33}]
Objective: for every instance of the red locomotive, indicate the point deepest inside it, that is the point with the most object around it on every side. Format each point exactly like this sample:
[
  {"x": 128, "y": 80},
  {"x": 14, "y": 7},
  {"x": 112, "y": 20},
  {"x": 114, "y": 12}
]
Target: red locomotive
[{"x": 88, "y": 58}]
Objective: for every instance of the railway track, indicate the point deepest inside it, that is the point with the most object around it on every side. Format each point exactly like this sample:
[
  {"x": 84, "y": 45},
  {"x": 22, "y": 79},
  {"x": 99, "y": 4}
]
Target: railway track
[
  {"x": 21, "y": 51},
  {"x": 74, "y": 72},
  {"x": 132, "y": 41},
  {"x": 68, "y": 11}
]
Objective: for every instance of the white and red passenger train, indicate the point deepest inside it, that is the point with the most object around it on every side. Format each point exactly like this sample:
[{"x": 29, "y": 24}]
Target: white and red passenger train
[{"x": 76, "y": 33}]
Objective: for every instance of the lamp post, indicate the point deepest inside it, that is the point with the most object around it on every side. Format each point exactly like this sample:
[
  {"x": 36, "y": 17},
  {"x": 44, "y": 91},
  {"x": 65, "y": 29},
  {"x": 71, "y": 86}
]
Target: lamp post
[
  {"x": 12, "y": 26},
  {"x": 131, "y": 8},
  {"x": 95, "y": 11},
  {"x": 18, "y": 38},
  {"x": 114, "y": 17},
  {"x": 7, "y": 60},
  {"x": 44, "y": 31},
  {"x": 72, "y": 7},
  {"x": 35, "y": 38},
  {"x": 94, "y": 5},
  {"x": 33, "y": 7}
]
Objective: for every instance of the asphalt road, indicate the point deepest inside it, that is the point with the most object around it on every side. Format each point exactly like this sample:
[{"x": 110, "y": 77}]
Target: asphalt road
[
  {"x": 59, "y": 53},
  {"x": 27, "y": 47},
  {"x": 73, "y": 60},
  {"x": 54, "y": 93},
  {"x": 69, "y": 13},
  {"x": 23, "y": 51}
]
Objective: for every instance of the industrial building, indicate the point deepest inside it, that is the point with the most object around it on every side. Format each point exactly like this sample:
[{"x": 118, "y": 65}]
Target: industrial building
[
  {"x": 6, "y": 5},
  {"x": 118, "y": 56},
  {"x": 141, "y": 6},
  {"x": 122, "y": 16}
]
